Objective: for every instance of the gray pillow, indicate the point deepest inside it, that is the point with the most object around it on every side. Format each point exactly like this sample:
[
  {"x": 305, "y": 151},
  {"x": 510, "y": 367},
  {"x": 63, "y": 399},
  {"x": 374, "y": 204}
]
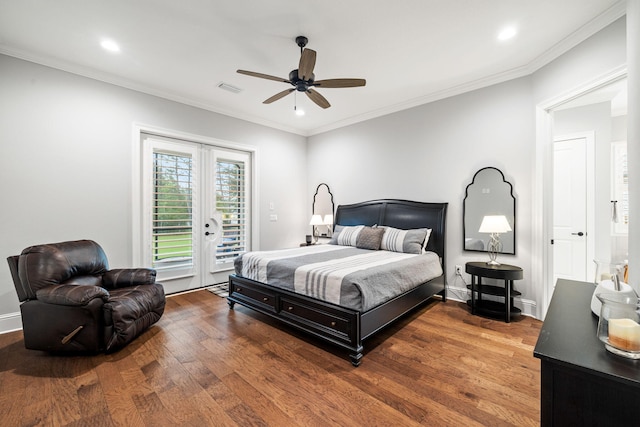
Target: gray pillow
[
  {"x": 407, "y": 241},
  {"x": 336, "y": 232},
  {"x": 370, "y": 238},
  {"x": 346, "y": 235}
]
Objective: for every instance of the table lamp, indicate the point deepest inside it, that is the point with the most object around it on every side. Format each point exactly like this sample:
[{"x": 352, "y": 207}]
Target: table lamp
[
  {"x": 316, "y": 220},
  {"x": 328, "y": 221},
  {"x": 494, "y": 224}
]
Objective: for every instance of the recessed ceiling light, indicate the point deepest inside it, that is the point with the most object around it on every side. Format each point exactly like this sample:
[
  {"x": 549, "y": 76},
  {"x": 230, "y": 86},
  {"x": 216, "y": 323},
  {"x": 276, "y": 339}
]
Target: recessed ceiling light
[
  {"x": 507, "y": 33},
  {"x": 110, "y": 45}
]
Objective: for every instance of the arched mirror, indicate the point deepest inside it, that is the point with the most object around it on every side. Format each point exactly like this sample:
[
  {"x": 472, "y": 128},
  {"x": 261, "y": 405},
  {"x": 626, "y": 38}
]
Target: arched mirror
[
  {"x": 489, "y": 194},
  {"x": 322, "y": 207}
]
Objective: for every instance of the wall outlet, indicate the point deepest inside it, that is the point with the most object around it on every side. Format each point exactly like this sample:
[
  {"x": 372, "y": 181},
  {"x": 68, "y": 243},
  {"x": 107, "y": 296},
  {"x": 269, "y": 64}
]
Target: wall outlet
[{"x": 459, "y": 270}]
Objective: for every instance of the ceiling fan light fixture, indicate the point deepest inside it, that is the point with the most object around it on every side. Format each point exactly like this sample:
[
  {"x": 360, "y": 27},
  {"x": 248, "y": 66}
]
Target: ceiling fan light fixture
[{"x": 298, "y": 111}]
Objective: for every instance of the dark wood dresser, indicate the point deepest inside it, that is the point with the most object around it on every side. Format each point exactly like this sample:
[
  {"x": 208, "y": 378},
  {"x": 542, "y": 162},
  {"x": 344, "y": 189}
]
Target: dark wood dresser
[{"x": 582, "y": 383}]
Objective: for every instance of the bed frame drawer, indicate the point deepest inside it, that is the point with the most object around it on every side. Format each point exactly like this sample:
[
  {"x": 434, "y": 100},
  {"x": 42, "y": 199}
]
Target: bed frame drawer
[
  {"x": 338, "y": 325},
  {"x": 320, "y": 318},
  {"x": 254, "y": 296}
]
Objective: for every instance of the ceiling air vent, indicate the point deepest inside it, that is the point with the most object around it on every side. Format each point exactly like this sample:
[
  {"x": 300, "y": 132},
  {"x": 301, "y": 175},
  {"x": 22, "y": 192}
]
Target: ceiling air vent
[{"x": 228, "y": 87}]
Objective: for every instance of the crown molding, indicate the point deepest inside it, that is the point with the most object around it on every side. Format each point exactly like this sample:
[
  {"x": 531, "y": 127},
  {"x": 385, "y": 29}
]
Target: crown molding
[
  {"x": 609, "y": 16},
  {"x": 428, "y": 98},
  {"x": 592, "y": 27},
  {"x": 606, "y": 18},
  {"x": 94, "y": 74}
]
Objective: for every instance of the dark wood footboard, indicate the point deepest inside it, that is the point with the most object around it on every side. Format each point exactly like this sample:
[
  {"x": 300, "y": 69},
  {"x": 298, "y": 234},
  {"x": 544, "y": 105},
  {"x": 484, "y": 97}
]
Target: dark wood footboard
[{"x": 337, "y": 325}]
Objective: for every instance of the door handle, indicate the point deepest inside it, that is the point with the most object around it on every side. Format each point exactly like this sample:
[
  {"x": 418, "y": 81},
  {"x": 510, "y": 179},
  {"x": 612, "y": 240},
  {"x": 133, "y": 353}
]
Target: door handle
[
  {"x": 579, "y": 233},
  {"x": 206, "y": 233}
]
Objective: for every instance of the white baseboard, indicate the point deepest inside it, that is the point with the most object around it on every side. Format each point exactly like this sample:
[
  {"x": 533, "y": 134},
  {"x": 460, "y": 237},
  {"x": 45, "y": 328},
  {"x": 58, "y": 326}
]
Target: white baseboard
[
  {"x": 10, "y": 322},
  {"x": 527, "y": 306}
]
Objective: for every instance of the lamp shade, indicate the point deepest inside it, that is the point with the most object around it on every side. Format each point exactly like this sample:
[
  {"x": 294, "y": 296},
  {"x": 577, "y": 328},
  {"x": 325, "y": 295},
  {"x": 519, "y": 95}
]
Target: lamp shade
[
  {"x": 316, "y": 220},
  {"x": 494, "y": 224},
  {"x": 328, "y": 219}
]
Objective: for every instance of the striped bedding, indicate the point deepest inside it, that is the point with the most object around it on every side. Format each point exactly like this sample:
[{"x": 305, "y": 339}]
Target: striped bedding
[{"x": 359, "y": 279}]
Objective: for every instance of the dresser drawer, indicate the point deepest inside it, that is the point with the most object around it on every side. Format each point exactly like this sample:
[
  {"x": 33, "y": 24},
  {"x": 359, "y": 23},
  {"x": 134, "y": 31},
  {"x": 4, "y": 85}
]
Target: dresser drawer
[{"x": 254, "y": 295}]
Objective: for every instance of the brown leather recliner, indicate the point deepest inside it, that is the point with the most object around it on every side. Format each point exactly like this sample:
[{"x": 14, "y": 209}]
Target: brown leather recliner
[{"x": 71, "y": 301}]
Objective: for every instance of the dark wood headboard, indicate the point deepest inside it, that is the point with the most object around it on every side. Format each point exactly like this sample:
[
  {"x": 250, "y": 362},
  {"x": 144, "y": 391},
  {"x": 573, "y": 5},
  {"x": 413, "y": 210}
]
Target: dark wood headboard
[{"x": 403, "y": 214}]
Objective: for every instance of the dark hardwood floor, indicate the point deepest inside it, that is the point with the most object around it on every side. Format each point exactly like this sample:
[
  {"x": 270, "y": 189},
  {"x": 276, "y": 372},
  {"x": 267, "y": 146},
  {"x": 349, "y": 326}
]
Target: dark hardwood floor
[{"x": 203, "y": 364}]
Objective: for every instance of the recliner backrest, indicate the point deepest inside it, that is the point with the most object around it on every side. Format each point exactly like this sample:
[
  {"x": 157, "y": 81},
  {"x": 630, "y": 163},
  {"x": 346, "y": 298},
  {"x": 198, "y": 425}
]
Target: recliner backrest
[{"x": 56, "y": 263}]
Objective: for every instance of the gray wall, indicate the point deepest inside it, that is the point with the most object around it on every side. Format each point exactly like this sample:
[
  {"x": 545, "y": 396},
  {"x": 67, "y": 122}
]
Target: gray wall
[
  {"x": 431, "y": 152},
  {"x": 66, "y": 163},
  {"x": 592, "y": 58}
]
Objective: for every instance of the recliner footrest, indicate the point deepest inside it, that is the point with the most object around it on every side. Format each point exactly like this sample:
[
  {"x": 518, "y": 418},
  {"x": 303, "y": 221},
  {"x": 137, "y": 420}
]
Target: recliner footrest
[{"x": 59, "y": 321}]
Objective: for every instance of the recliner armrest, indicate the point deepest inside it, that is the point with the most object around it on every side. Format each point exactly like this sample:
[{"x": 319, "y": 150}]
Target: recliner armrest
[
  {"x": 125, "y": 277},
  {"x": 74, "y": 295}
]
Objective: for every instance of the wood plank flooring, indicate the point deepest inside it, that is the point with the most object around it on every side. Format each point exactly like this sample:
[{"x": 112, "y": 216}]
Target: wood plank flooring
[{"x": 204, "y": 364}]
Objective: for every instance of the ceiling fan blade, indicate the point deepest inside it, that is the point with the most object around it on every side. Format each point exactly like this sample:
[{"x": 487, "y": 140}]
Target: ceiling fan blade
[
  {"x": 317, "y": 98},
  {"x": 278, "y": 96},
  {"x": 307, "y": 63},
  {"x": 340, "y": 83},
  {"x": 263, "y": 76}
]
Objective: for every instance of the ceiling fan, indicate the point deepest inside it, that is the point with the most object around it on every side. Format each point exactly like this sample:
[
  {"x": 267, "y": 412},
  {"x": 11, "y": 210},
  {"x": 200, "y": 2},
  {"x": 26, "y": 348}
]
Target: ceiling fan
[{"x": 303, "y": 79}]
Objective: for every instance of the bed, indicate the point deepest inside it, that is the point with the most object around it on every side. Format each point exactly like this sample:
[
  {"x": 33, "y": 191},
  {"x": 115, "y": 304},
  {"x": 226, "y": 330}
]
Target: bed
[{"x": 339, "y": 318}]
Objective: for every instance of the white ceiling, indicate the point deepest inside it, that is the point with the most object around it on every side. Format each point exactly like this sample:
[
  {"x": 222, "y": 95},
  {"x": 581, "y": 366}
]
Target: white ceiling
[{"x": 409, "y": 51}]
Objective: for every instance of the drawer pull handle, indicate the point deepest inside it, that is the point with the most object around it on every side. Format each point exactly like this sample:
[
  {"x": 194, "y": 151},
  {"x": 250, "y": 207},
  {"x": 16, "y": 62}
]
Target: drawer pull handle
[
  {"x": 290, "y": 308},
  {"x": 265, "y": 299},
  {"x": 239, "y": 289},
  {"x": 333, "y": 324}
]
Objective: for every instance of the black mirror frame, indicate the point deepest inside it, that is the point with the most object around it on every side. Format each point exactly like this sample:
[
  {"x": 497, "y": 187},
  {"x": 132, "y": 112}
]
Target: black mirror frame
[
  {"x": 333, "y": 206},
  {"x": 464, "y": 212}
]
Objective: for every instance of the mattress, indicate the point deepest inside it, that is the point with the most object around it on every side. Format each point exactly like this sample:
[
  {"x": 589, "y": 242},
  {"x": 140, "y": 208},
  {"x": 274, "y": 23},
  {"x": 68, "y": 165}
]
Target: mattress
[{"x": 358, "y": 279}]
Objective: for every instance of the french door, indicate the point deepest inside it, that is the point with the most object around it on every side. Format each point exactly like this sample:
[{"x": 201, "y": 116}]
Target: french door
[{"x": 197, "y": 215}]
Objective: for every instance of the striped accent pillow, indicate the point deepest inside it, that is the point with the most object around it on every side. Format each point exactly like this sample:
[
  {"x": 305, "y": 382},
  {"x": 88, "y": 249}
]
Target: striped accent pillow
[
  {"x": 407, "y": 241},
  {"x": 346, "y": 236}
]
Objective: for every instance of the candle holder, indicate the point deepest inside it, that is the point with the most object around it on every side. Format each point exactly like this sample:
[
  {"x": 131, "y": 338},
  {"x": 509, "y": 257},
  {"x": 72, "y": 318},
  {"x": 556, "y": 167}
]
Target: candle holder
[{"x": 619, "y": 324}]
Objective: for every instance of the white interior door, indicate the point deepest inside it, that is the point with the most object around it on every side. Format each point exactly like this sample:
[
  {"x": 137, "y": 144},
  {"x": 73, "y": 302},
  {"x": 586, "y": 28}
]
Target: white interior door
[
  {"x": 570, "y": 228},
  {"x": 196, "y": 214}
]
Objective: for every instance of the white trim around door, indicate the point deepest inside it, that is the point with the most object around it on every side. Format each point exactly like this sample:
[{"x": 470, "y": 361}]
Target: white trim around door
[
  {"x": 542, "y": 215},
  {"x": 195, "y": 157}
]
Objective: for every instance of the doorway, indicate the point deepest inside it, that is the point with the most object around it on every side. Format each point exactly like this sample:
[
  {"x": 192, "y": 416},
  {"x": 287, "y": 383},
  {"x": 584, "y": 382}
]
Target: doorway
[
  {"x": 596, "y": 92},
  {"x": 196, "y": 210}
]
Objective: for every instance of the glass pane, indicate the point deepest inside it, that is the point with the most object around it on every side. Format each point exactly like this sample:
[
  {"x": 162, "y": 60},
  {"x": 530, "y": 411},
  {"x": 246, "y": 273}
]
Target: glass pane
[
  {"x": 231, "y": 203},
  {"x": 172, "y": 221}
]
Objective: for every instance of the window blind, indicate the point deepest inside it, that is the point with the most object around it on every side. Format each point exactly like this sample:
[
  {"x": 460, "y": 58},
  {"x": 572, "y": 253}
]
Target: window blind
[
  {"x": 232, "y": 204},
  {"x": 172, "y": 221}
]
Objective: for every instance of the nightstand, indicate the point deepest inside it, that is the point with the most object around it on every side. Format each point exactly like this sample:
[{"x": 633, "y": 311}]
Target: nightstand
[{"x": 505, "y": 272}]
